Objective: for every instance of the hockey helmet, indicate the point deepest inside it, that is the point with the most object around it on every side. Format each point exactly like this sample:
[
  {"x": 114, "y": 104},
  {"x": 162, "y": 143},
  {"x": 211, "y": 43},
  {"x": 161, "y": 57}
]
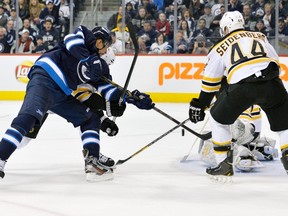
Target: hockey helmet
[
  {"x": 102, "y": 33},
  {"x": 109, "y": 56},
  {"x": 231, "y": 20}
]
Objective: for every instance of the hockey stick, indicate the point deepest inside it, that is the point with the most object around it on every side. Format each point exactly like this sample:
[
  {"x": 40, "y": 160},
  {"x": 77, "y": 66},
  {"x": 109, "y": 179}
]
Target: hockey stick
[
  {"x": 186, "y": 156},
  {"x": 201, "y": 136},
  {"x": 119, "y": 162},
  {"x": 136, "y": 47}
]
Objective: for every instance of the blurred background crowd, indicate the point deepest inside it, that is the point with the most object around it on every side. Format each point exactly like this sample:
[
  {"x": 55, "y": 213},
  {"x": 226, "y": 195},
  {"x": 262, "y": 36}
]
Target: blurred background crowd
[{"x": 162, "y": 26}]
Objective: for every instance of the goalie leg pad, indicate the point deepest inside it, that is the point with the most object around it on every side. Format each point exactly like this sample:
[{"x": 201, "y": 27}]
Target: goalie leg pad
[
  {"x": 242, "y": 131},
  {"x": 244, "y": 160}
]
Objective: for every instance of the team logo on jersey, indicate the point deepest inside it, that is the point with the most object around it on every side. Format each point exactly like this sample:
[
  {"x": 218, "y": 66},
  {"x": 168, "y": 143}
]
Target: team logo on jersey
[
  {"x": 22, "y": 70},
  {"x": 83, "y": 72}
]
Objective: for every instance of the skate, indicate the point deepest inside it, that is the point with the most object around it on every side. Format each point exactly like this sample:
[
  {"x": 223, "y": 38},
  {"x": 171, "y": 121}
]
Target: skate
[
  {"x": 2, "y": 164},
  {"x": 284, "y": 161},
  {"x": 223, "y": 170},
  {"x": 106, "y": 161},
  {"x": 95, "y": 170}
]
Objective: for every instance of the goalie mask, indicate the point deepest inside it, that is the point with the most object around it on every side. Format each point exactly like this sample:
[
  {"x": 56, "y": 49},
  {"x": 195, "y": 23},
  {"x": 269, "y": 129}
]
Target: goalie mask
[{"x": 231, "y": 21}]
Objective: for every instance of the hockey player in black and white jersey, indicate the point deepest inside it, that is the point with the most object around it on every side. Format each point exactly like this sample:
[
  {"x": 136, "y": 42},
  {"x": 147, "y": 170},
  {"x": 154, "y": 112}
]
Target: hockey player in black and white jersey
[
  {"x": 251, "y": 66},
  {"x": 54, "y": 78}
]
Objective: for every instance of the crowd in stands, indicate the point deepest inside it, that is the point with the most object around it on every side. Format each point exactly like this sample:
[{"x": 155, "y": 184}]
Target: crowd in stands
[
  {"x": 40, "y": 24},
  {"x": 197, "y": 23}
]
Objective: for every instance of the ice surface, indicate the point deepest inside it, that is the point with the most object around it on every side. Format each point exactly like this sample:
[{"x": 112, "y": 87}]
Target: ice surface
[{"x": 46, "y": 178}]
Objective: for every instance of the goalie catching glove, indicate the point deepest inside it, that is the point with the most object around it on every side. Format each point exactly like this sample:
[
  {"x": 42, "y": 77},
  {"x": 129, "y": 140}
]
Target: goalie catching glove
[
  {"x": 108, "y": 126},
  {"x": 196, "y": 111},
  {"x": 140, "y": 100}
]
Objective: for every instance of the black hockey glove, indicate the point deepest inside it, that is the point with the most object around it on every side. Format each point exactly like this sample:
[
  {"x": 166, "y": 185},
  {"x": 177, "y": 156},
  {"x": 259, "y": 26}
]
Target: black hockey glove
[
  {"x": 196, "y": 111},
  {"x": 108, "y": 126},
  {"x": 140, "y": 100},
  {"x": 114, "y": 109}
]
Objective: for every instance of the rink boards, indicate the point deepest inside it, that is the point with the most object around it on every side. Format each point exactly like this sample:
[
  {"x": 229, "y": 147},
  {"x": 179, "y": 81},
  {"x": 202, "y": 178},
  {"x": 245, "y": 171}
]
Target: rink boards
[{"x": 167, "y": 78}]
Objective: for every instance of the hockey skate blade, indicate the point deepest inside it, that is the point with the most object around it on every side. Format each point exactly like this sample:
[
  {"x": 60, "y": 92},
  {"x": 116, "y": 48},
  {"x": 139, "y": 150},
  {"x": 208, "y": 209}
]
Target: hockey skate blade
[
  {"x": 93, "y": 177},
  {"x": 221, "y": 178}
]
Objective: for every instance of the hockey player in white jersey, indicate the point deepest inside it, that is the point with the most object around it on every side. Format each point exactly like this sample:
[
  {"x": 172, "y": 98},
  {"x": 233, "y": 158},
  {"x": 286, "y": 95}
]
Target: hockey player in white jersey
[{"x": 251, "y": 66}]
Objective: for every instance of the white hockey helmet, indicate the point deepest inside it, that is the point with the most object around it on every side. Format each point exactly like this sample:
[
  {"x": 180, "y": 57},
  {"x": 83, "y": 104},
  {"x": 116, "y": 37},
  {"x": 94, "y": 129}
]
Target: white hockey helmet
[
  {"x": 109, "y": 56},
  {"x": 231, "y": 20}
]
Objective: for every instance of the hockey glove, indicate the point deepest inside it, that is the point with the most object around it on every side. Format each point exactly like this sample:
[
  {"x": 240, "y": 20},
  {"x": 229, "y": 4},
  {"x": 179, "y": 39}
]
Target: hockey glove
[
  {"x": 196, "y": 111},
  {"x": 140, "y": 100},
  {"x": 108, "y": 126},
  {"x": 114, "y": 109}
]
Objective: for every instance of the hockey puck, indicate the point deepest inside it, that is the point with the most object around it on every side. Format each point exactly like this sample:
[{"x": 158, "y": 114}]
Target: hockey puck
[{"x": 183, "y": 132}]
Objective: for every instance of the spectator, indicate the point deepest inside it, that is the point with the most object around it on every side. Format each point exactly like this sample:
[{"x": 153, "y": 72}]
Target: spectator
[
  {"x": 215, "y": 23},
  {"x": 6, "y": 41},
  {"x": 50, "y": 34},
  {"x": 23, "y": 9},
  {"x": 260, "y": 27},
  {"x": 160, "y": 46},
  {"x": 130, "y": 10},
  {"x": 159, "y": 5},
  {"x": 146, "y": 37},
  {"x": 64, "y": 16},
  {"x": 187, "y": 34},
  {"x": 163, "y": 25},
  {"x": 32, "y": 32},
  {"x": 216, "y": 8},
  {"x": 113, "y": 20},
  {"x": 40, "y": 46},
  {"x": 235, "y": 5},
  {"x": 283, "y": 8},
  {"x": 122, "y": 31},
  {"x": 7, "y": 6},
  {"x": 141, "y": 17},
  {"x": 215, "y": 26},
  {"x": 150, "y": 7},
  {"x": 35, "y": 8},
  {"x": 167, "y": 3},
  {"x": 116, "y": 45},
  {"x": 202, "y": 29},
  {"x": 180, "y": 43},
  {"x": 169, "y": 12},
  {"x": 51, "y": 11},
  {"x": 3, "y": 16},
  {"x": 258, "y": 9},
  {"x": 208, "y": 16},
  {"x": 133, "y": 2},
  {"x": 10, "y": 29},
  {"x": 200, "y": 45},
  {"x": 283, "y": 31},
  {"x": 249, "y": 19},
  {"x": 185, "y": 15},
  {"x": 25, "y": 43},
  {"x": 196, "y": 8},
  {"x": 269, "y": 17},
  {"x": 16, "y": 20}
]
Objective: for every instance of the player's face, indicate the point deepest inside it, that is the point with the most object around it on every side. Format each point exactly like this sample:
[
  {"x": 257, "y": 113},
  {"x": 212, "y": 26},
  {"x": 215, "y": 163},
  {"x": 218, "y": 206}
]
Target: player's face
[{"x": 102, "y": 46}]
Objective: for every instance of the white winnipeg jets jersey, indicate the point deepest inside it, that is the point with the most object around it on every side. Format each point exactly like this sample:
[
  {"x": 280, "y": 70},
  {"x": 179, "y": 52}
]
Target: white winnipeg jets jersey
[{"x": 237, "y": 56}]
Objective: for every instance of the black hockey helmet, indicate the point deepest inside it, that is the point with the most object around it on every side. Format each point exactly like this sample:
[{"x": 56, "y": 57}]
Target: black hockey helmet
[{"x": 102, "y": 33}]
